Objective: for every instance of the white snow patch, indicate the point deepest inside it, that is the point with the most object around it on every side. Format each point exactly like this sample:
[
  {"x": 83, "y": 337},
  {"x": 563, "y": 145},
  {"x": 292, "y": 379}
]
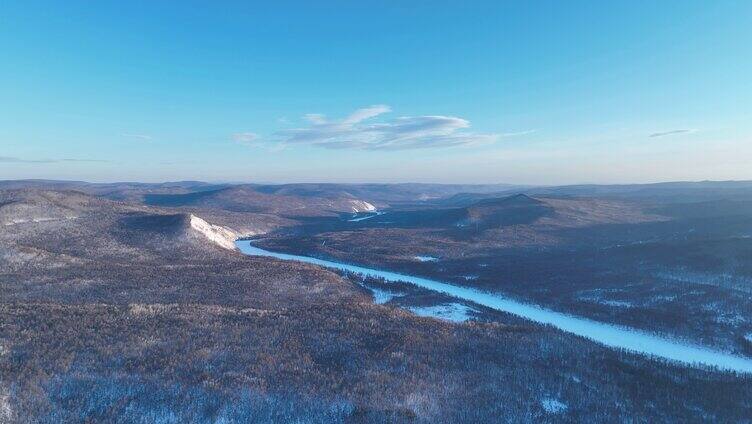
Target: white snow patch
[
  {"x": 43, "y": 219},
  {"x": 362, "y": 206},
  {"x": 16, "y": 221},
  {"x": 553, "y": 406},
  {"x": 617, "y": 303},
  {"x": 662, "y": 298},
  {"x": 37, "y": 220},
  {"x": 722, "y": 315},
  {"x": 219, "y": 235},
  {"x": 730, "y": 318},
  {"x": 420, "y": 258},
  {"x": 470, "y": 277},
  {"x": 381, "y": 297},
  {"x": 6, "y": 412},
  {"x": 724, "y": 279},
  {"x": 749, "y": 337},
  {"x": 454, "y": 312},
  {"x": 595, "y": 297}
]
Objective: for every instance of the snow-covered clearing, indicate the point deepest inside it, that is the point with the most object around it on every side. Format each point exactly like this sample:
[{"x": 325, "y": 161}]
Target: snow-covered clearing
[
  {"x": 454, "y": 312},
  {"x": 553, "y": 406},
  {"x": 421, "y": 258},
  {"x": 36, "y": 220},
  {"x": 381, "y": 297}
]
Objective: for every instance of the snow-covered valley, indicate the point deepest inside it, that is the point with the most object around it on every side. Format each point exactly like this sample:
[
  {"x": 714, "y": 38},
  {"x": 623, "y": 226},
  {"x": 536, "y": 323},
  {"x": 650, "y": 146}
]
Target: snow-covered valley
[{"x": 610, "y": 335}]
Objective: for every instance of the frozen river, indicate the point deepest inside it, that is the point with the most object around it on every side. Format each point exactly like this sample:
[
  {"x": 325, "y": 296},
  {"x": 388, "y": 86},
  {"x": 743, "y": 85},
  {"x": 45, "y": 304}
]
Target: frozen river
[{"x": 606, "y": 334}]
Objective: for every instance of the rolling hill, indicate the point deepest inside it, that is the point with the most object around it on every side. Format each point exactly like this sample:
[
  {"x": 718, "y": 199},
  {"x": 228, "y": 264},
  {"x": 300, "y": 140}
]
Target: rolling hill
[
  {"x": 120, "y": 311},
  {"x": 248, "y": 198}
]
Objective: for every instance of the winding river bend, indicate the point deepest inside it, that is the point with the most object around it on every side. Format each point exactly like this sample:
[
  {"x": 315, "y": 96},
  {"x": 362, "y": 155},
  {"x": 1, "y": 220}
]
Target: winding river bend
[{"x": 606, "y": 334}]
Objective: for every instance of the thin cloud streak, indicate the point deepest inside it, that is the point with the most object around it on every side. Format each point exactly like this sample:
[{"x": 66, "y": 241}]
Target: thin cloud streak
[
  {"x": 402, "y": 133},
  {"x": 84, "y": 160},
  {"x": 245, "y": 137},
  {"x": 672, "y": 132},
  {"x": 517, "y": 133},
  {"x": 10, "y": 159},
  {"x": 142, "y": 137}
]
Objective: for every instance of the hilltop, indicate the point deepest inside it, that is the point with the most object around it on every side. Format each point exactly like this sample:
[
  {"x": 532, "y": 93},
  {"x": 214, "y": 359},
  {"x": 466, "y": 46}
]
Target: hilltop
[{"x": 251, "y": 199}]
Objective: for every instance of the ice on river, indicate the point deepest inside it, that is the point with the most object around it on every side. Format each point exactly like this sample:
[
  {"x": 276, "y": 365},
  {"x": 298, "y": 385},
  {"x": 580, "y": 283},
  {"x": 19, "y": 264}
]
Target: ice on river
[{"x": 611, "y": 335}]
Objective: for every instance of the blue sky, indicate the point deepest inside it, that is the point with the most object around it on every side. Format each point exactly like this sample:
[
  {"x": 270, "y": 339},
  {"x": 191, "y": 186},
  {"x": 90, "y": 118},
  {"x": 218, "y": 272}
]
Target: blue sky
[{"x": 517, "y": 92}]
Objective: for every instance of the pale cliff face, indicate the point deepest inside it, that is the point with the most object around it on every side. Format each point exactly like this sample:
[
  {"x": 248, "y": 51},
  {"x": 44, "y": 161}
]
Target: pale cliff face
[
  {"x": 362, "y": 206},
  {"x": 219, "y": 235}
]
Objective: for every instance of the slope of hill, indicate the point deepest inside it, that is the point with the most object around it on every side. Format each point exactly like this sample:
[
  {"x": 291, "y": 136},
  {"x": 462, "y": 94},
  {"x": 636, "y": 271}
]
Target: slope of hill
[
  {"x": 178, "y": 228},
  {"x": 678, "y": 268},
  {"x": 125, "y": 191},
  {"x": 25, "y": 206},
  {"x": 381, "y": 195},
  {"x": 247, "y": 198},
  {"x": 386, "y": 194},
  {"x": 130, "y": 313},
  {"x": 496, "y": 213},
  {"x": 514, "y": 210},
  {"x": 47, "y": 228},
  {"x": 668, "y": 192}
]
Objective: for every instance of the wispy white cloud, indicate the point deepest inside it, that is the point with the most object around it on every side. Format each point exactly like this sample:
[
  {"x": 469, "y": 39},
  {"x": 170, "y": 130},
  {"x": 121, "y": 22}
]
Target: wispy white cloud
[
  {"x": 11, "y": 159},
  {"x": 356, "y": 131},
  {"x": 83, "y": 160},
  {"x": 366, "y": 113},
  {"x": 517, "y": 133},
  {"x": 315, "y": 118},
  {"x": 245, "y": 137},
  {"x": 672, "y": 132},
  {"x": 142, "y": 137}
]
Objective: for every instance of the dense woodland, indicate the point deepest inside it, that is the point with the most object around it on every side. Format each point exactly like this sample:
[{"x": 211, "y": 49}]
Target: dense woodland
[
  {"x": 682, "y": 271},
  {"x": 119, "y": 312}
]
